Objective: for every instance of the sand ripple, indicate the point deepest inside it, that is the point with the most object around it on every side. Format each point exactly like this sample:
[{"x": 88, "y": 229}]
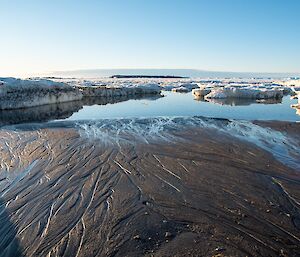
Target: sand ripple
[{"x": 140, "y": 187}]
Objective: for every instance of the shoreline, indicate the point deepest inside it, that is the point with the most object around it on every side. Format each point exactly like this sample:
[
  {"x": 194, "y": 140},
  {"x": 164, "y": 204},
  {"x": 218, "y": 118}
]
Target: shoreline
[{"x": 162, "y": 191}]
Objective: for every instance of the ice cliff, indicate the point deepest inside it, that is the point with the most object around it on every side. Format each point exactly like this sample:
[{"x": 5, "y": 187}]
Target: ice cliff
[{"x": 18, "y": 93}]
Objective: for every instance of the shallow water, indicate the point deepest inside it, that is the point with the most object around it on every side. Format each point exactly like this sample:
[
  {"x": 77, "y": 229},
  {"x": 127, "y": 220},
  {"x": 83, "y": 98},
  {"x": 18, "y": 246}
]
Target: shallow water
[
  {"x": 177, "y": 104},
  {"x": 163, "y": 130},
  {"x": 172, "y": 105}
]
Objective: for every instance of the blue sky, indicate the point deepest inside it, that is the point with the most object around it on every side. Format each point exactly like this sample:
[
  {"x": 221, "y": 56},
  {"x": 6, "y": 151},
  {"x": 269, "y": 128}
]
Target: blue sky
[{"x": 223, "y": 35}]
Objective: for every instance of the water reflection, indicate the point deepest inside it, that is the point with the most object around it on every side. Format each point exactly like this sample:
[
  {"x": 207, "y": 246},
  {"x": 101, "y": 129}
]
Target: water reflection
[
  {"x": 238, "y": 101},
  {"x": 171, "y": 105},
  {"x": 50, "y": 112}
]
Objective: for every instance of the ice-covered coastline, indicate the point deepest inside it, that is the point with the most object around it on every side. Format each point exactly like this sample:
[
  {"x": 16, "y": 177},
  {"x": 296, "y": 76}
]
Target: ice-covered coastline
[
  {"x": 17, "y": 93},
  {"x": 209, "y": 88}
]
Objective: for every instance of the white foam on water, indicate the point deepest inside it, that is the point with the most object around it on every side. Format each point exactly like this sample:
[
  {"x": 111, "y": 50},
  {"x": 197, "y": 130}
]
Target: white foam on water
[{"x": 283, "y": 147}]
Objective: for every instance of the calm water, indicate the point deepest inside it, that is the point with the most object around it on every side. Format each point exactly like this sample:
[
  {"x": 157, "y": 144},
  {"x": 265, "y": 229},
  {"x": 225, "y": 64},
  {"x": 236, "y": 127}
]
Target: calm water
[
  {"x": 172, "y": 105},
  {"x": 176, "y": 104}
]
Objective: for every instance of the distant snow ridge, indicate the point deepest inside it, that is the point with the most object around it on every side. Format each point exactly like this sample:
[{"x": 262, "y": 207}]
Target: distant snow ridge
[
  {"x": 18, "y": 93},
  {"x": 160, "y": 129}
]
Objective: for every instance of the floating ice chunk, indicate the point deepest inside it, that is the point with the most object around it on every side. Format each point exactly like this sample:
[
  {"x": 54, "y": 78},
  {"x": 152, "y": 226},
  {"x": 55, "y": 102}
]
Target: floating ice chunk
[
  {"x": 297, "y": 96},
  {"x": 169, "y": 87},
  {"x": 190, "y": 86},
  {"x": 245, "y": 92},
  {"x": 201, "y": 91},
  {"x": 147, "y": 88},
  {"x": 180, "y": 89}
]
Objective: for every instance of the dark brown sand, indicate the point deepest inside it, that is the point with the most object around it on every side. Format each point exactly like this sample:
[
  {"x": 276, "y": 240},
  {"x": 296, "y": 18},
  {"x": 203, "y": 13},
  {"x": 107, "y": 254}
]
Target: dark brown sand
[{"x": 207, "y": 195}]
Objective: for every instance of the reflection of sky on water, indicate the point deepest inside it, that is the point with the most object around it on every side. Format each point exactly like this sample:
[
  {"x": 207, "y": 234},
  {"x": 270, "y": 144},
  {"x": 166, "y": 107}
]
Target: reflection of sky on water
[
  {"x": 173, "y": 104},
  {"x": 176, "y": 104}
]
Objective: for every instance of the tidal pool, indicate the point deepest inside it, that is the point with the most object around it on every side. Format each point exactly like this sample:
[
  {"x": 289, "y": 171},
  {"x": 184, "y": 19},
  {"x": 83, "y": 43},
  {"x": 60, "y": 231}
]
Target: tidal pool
[{"x": 177, "y": 104}]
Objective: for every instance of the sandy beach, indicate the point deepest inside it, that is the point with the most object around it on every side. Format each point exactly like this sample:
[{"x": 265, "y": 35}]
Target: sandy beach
[
  {"x": 150, "y": 128},
  {"x": 173, "y": 188}
]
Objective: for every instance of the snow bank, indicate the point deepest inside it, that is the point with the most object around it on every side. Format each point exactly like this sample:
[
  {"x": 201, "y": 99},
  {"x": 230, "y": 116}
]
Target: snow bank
[{"x": 17, "y": 93}]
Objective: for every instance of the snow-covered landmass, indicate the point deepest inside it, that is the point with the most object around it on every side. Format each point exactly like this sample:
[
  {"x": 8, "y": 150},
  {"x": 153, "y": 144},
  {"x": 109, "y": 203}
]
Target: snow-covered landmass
[{"x": 17, "y": 93}]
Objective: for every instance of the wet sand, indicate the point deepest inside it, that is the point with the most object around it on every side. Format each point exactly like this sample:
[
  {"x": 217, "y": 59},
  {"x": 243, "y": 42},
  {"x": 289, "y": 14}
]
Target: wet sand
[{"x": 189, "y": 191}]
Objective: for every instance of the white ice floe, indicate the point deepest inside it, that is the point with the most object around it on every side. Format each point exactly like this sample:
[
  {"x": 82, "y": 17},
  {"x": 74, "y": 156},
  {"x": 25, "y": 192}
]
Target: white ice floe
[
  {"x": 190, "y": 86},
  {"x": 148, "y": 88},
  {"x": 296, "y": 96},
  {"x": 248, "y": 92},
  {"x": 200, "y": 92},
  {"x": 180, "y": 89},
  {"x": 18, "y": 93},
  {"x": 184, "y": 87}
]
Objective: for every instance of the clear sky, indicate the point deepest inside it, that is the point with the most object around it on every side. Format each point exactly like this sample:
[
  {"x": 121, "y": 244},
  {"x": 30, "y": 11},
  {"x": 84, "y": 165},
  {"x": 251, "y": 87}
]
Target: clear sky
[{"x": 223, "y": 35}]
